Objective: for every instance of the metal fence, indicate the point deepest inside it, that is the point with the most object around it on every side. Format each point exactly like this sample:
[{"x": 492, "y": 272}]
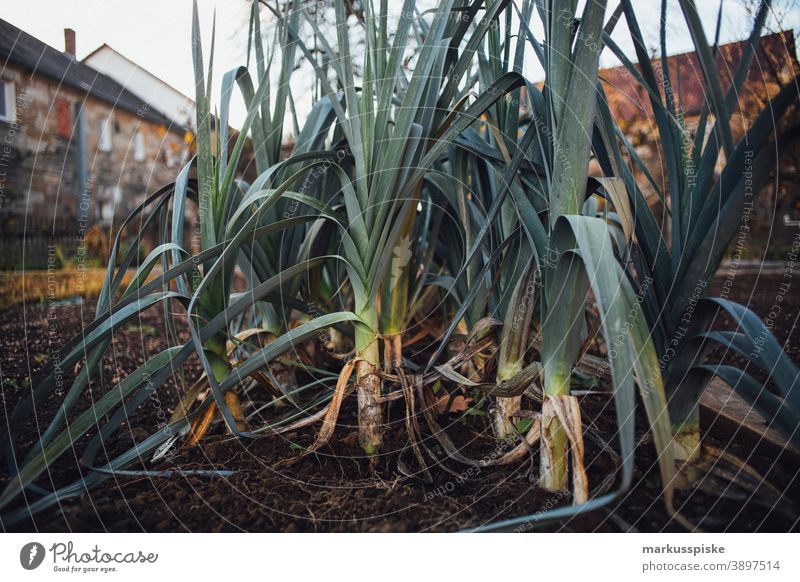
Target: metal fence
[{"x": 37, "y": 245}]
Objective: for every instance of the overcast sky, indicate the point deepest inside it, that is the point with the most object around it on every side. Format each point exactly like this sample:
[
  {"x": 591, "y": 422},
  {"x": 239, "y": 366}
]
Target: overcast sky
[{"x": 156, "y": 33}]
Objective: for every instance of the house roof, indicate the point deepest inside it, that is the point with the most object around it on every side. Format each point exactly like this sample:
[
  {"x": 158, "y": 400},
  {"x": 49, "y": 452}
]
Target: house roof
[
  {"x": 775, "y": 63},
  {"x": 23, "y": 50},
  {"x": 107, "y": 47}
]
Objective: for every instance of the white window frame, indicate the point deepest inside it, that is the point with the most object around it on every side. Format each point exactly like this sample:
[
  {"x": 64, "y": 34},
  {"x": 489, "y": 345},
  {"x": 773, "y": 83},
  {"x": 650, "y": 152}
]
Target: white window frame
[
  {"x": 106, "y": 141},
  {"x": 11, "y": 101},
  {"x": 139, "y": 148}
]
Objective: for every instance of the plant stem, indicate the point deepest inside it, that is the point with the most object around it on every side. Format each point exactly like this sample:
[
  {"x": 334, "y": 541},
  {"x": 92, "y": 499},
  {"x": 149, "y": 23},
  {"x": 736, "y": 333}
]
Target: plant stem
[
  {"x": 506, "y": 407},
  {"x": 513, "y": 346},
  {"x": 394, "y": 293},
  {"x": 553, "y": 459},
  {"x": 686, "y": 439},
  {"x": 368, "y": 382},
  {"x": 221, "y": 368}
]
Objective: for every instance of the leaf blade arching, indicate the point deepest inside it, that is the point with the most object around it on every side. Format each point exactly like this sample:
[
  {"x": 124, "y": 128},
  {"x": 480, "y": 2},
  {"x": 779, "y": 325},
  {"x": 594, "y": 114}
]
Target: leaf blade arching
[{"x": 618, "y": 306}]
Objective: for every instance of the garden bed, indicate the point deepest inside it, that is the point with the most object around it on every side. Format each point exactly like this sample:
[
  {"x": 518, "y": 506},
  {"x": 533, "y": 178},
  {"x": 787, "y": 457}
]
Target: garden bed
[{"x": 338, "y": 488}]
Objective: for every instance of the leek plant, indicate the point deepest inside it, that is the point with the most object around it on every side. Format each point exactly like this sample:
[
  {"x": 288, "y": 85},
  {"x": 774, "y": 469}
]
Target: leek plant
[
  {"x": 515, "y": 293},
  {"x": 230, "y": 216},
  {"x": 706, "y": 202},
  {"x": 572, "y": 250},
  {"x": 433, "y": 128},
  {"x": 397, "y": 128}
]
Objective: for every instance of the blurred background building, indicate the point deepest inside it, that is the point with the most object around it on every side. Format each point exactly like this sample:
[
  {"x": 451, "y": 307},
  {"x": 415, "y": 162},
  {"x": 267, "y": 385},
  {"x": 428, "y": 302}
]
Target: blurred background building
[{"x": 78, "y": 145}]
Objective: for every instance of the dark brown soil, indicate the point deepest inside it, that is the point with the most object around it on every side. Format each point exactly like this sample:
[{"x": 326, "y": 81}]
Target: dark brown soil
[{"x": 338, "y": 489}]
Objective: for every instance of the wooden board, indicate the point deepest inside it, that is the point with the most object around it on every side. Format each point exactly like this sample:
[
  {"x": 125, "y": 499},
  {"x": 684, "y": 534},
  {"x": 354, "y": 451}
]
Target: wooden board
[{"x": 727, "y": 415}]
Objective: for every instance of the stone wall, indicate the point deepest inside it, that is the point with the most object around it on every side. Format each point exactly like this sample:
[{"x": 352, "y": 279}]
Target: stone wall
[{"x": 39, "y": 175}]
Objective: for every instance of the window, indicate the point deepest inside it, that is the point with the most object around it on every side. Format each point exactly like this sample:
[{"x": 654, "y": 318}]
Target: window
[
  {"x": 138, "y": 146},
  {"x": 8, "y": 106},
  {"x": 111, "y": 204},
  {"x": 106, "y": 133}
]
